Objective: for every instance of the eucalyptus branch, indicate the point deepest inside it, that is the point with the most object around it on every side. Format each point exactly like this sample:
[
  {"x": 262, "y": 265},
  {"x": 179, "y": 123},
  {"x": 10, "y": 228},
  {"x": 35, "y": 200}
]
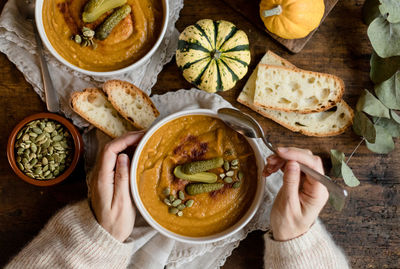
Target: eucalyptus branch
[{"x": 355, "y": 149}]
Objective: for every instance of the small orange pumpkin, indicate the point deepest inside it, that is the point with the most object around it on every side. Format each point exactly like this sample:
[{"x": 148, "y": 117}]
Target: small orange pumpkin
[{"x": 291, "y": 19}]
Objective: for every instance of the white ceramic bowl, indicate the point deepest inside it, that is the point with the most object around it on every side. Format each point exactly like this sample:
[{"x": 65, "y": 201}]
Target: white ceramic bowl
[
  {"x": 45, "y": 40},
  {"x": 196, "y": 240}
]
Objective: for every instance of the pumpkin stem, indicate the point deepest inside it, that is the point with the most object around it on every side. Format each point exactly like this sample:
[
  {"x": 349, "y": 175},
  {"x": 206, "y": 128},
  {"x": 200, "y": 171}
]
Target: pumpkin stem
[
  {"x": 215, "y": 54},
  {"x": 272, "y": 12}
]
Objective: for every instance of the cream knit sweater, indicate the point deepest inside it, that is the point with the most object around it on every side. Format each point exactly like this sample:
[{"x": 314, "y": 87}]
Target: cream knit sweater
[{"x": 74, "y": 239}]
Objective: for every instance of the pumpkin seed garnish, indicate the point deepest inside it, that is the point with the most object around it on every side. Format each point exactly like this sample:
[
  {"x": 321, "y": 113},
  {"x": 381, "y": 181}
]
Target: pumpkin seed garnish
[
  {"x": 240, "y": 175},
  {"x": 235, "y": 162},
  {"x": 189, "y": 203},
  {"x": 181, "y": 195},
  {"x": 179, "y": 214},
  {"x": 226, "y": 165},
  {"x": 167, "y": 202},
  {"x": 176, "y": 202},
  {"x": 228, "y": 180},
  {"x": 236, "y": 184},
  {"x": 222, "y": 175},
  {"x": 230, "y": 173},
  {"x": 166, "y": 191},
  {"x": 173, "y": 210},
  {"x": 181, "y": 207},
  {"x": 171, "y": 198}
]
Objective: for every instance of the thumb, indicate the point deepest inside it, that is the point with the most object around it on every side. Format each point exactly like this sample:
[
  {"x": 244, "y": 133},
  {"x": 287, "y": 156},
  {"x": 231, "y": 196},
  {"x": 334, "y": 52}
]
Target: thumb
[
  {"x": 121, "y": 180},
  {"x": 291, "y": 180}
]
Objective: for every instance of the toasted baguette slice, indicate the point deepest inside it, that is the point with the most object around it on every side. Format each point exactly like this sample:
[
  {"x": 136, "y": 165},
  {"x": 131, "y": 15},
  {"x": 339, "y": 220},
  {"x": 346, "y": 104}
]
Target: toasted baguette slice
[
  {"x": 133, "y": 104},
  {"x": 327, "y": 123},
  {"x": 92, "y": 105},
  {"x": 296, "y": 90}
]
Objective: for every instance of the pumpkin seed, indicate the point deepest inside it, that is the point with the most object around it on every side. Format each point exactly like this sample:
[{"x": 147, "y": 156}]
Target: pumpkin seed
[
  {"x": 181, "y": 195},
  {"x": 228, "y": 180},
  {"x": 236, "y": 184},
  {"x": 167, "y": 202},
  {"x": 240, "y": 175},
  {"x": 33, "y": 134},
  {"x": 20, "y": 166},
  {"x": 179, "y": 214},
  {"x": 48, "y": 129},
  {"x": 45, "y": 168},
  {"x": 230, "y": 173},
  {"x": 173, "y": 210},
  {"x": 25, "y": 137},
  {"x": 77, "y": 39},
  {"x": 19, "y": 134},
  {"x": 30, "y": 175},
  {"x": 45, "y": 161},
  {"x": 235, "y": 167},
  {"x": 222, "y": 175},
  {"x": 34, "y": 148},
  {"x": 33, "y": 162},
  {"x": 235, "y": 162},
  {"x": 172, "y": 198},
  {"x": 37, "y": 130},
  {"x": 57, "y": 138},
  {"x": 176, "y": 202},
  {"x": 181, "y": 207},
  {"x": 189, "y": 203},
  {"x": 40, "y": 137},
  {"x": 37, "y": 171},
  {"x": 226, "y": 165}
]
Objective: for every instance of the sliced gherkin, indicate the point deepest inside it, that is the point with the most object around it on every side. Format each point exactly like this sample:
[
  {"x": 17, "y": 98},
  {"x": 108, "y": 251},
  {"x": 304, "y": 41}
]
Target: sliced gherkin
[
  {"x": 95, "y": 8},
  {"x": 198, "y": 177},
  {"x": 198, "y": 188},
  {"x": 103, "y": 31}
]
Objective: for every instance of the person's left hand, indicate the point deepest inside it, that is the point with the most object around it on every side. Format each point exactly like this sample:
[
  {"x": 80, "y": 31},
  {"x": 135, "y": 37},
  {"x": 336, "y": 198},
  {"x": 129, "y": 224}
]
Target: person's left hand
[{"x": 111, "y": 200}]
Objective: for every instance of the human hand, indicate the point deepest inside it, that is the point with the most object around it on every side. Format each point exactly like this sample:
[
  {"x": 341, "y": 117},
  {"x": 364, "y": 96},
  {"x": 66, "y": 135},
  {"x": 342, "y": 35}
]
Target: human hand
[
  {"x": 111, "y": 200},
  {"x": 301, "y": 198}
]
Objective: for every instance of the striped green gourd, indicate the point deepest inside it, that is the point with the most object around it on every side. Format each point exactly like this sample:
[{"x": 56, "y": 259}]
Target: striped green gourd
[{"x": 213, "y": 55}]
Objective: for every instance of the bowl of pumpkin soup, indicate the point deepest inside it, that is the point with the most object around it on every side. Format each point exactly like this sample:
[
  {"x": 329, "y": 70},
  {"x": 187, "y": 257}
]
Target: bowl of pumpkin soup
[
  {"x": 102, "y": 37},
  {"x": 196, "y": 180}
]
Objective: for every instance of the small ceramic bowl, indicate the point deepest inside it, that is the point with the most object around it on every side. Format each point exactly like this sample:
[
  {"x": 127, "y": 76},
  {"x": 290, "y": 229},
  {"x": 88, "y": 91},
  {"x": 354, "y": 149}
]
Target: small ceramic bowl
[
  {"x": 76, "y": 137},
  {"x": 139, "y": 62},
  {"x": 187, "y": 239}
]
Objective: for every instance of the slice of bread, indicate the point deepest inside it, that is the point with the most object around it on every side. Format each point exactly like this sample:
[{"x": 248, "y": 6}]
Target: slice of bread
[
  {"x": 133, "y": 104},
  {"x": 295, "y": 90},
  {"x": 327, "y": 123},
  {"x": 92, "y": 105}
]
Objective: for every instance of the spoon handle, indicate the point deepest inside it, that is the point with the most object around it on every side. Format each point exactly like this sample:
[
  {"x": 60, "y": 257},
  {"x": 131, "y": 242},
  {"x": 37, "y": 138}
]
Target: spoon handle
[
  {"x": 50, "y": 93},
  {"x": 337, "y": 195}
]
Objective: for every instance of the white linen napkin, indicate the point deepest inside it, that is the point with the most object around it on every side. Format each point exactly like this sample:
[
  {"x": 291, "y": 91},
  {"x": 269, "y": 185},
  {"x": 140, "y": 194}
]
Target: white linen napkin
[{"x": 151, "y": 249}]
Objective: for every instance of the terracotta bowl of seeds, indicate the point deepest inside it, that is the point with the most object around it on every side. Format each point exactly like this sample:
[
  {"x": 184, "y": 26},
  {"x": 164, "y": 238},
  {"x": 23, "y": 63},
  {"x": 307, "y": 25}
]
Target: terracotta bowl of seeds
[{"x": 44, "y": 148}]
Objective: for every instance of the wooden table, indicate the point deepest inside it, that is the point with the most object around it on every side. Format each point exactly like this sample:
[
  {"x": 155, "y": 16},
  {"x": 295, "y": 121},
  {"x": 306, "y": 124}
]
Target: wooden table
[{"x": 367, "y": 229}]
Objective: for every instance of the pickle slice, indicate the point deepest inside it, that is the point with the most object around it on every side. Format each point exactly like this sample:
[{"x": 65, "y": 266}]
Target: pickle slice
[
  {"x": 202, "y": 166},
  {"x": 198, "y": 177},
  {"x": 198, "y": 188},
  {"x": 95, "y": 8},
  {"x": 108, "y": 25}
]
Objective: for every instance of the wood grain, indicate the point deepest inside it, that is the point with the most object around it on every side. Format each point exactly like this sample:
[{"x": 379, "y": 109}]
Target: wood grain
[
  {"x": 250, "y": 10},
  {"x": 367, "y": 229}
]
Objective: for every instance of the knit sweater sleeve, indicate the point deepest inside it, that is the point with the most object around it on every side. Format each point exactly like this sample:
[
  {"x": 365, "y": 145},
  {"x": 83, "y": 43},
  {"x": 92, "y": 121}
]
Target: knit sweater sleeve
[
  {"x": 73, "y": 239},
  {"x": 314, "y": 249}
]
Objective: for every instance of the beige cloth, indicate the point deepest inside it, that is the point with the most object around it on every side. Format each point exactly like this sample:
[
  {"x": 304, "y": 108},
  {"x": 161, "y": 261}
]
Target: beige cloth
[{"x": 74, "y": 239}]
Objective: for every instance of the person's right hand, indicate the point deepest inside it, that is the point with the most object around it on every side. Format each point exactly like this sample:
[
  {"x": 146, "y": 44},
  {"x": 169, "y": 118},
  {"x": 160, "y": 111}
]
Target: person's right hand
[{"x": 301, "y": 198}]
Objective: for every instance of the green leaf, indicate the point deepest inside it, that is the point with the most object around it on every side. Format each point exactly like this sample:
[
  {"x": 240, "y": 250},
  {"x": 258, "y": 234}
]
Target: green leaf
[
  {"x": 348, "y": 176},
  {"x": 364, "y": 127},
  {"x": 395, "y": 116},
  {"x": 390, "y": 9},
  {"x": 383, "y": 68},
  {"x": 384, "y": 37},
  {"x": 388, "y": 91},
  {"x": 383, "y": 142},
  {"x": 390, "y": 126},
  {"x": 337, "y": 157},
  {"x": 370, "y": 11},
  {"x": 372, "y": 106}
]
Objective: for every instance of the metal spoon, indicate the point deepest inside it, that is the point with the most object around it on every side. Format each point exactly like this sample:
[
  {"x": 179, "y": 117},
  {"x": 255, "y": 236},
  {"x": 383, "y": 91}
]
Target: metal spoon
[
  {"x": 27, "y": 10},
  {"x": 248, "y": 126}
]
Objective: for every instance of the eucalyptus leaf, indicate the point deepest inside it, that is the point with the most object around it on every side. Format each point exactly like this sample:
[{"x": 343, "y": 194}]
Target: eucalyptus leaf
[
  {"x": 383, "y": 142},
  {"x": 383, "y": 68},
  {"x": 390, "y": 126},
  {"x": 388, "y": 91},
  {"x": 370, "y": 11},
  {"x": 395, "y": 116},
  {"x": 337, "y": 157},
  {"x": 384, "y": 37},
  {"x": 371, "y": 105},
  {"x": 390, "y": 9},
  {"x": 364, "y": 127},
  {"x": 348, "y": 176}
]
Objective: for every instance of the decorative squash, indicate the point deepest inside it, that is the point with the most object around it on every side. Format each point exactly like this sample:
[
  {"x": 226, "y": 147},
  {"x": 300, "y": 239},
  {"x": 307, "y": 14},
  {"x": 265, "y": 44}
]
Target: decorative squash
[
  {"x": 291, "y": 19},
  {"x": 213, "y": 55}
]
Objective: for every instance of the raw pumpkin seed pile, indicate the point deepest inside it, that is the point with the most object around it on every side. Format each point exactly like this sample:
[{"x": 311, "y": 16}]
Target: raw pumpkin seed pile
[
  {"x": 205, "y": 181},
  {"x": 43, "y": 149}
]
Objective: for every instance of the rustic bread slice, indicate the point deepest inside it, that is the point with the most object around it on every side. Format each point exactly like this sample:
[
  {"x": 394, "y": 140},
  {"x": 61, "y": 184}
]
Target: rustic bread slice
[
  {"x": 295, "y": 90},
  {"x": 92, "y": 105},
  {"x": 327, "y": 123},
  {"x": 133, "y": 104}
]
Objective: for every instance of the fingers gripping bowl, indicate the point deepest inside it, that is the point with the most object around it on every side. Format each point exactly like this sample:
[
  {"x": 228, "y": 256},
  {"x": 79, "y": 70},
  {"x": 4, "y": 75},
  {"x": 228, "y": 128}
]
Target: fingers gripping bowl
[
  {"x": 119, "y": 35},
  {"x": 167, "y": 202}
]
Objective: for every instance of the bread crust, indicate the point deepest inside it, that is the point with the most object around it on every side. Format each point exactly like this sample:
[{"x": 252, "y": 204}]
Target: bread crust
[
  {"x": 325, "y": 107},
  {"x": 74, "y": 99},
  {"x": 115, "y": 84}
]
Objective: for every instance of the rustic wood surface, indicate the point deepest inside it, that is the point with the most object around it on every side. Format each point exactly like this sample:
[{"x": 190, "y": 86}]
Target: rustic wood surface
[
  {"x": 249, "y": 8},
  {"x": 367, "y": 229}
]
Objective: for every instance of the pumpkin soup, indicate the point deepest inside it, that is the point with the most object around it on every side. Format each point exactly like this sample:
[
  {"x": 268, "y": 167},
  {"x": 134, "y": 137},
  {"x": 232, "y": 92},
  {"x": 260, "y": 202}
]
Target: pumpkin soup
[
  {"x": 116, "y": 47},
  {"x": 196, "y": 176}
]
